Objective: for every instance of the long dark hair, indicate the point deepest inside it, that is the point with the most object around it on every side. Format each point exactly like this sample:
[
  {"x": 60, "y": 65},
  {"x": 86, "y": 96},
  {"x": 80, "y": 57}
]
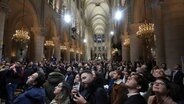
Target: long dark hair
[
  {"x": 64, "y": 96},
  {"x": 40, "y": 79}
]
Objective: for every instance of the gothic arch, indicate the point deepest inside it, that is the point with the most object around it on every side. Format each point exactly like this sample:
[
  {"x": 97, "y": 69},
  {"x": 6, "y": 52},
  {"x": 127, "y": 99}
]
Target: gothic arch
[{"x": 14, "y": 22}]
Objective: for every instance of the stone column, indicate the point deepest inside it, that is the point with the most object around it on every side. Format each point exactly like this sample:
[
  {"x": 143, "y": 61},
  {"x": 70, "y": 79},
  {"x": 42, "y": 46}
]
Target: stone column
[
  {"x": 57, "y": 50},
  {"x": 159, "y": 34},
  {"x": 108, "y": 47},
  {"x": 67, "y": 52},
  {"x": 75, "y": 51},
  {"x": 136, "y": 48},
  {"x": 38, "y": 43},
  {"x": 75, "y": 56},
  {"x": 78, "y": 56},
  {"x": 125, "y": 51},
  {"x": 3, "y": 8},
  {"x": 173, "y": 18},
  {"x": 87, "y": 48}
]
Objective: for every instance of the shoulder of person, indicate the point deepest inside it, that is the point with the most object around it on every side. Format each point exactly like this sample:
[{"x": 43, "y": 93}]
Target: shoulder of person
[
  {"x": 169, "y": 100},
  {"x": 151, "y": 99},
  {"x": 100, "y": 91}
]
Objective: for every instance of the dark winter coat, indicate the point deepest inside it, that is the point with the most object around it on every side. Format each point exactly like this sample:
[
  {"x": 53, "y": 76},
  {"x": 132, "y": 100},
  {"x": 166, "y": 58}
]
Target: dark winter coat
[{"x": 32, "y": 95}]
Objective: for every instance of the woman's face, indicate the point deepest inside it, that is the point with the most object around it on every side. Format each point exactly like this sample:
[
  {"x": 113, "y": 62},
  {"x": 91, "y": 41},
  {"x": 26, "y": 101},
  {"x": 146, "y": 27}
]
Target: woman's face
[
  {"x": 159, "y": 87},
  {"x": 58, "y": 89},
  {"x": 77, "y": 78}
]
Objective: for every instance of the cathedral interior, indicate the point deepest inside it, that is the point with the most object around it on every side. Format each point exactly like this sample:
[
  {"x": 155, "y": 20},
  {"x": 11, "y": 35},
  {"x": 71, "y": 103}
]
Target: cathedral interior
[{"x": 81, "y": 30}]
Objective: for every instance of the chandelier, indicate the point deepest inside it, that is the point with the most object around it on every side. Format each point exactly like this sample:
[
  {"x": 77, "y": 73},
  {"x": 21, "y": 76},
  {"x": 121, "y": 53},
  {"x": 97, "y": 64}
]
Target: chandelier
[
  {"x": 126, "y": 42},
  {"x": 49, "y": 43},
  {"x": 63, "y": 47},
  {"x": 114, "y": 50},
  {"x": 21, "y": 35},
  {"x": 146, "y": 30}
]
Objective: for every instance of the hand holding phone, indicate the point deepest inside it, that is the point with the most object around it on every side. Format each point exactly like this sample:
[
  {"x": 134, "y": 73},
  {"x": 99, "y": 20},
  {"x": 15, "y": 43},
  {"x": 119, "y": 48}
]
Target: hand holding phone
[{"x": 79, "y": 99}]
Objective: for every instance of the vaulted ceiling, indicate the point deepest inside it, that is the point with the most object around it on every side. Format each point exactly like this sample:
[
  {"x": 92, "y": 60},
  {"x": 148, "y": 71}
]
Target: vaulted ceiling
[{"x": 97, "y": 14}]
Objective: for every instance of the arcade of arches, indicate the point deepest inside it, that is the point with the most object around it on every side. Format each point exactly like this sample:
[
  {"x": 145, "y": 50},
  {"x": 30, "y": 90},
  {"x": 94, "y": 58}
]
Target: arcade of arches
[{"x": 92, "y": 33}]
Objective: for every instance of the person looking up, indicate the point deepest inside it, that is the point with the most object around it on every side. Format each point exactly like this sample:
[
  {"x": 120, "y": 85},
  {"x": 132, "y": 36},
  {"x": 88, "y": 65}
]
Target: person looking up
[{"x": 35, "y": 94}]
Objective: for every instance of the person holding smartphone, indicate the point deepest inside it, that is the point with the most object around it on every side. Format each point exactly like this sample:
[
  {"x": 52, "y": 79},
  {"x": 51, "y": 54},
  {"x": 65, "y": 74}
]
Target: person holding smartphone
[{"x": 93, "y": 91}]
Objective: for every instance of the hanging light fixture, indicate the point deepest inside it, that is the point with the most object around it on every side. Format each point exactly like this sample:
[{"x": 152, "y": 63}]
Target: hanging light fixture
[
  {"x": 126, "y": 41},
  {"x": 21, "y": 35},
  {"x": 49, "y": 43},
  {"x": 146, "y": 29}
]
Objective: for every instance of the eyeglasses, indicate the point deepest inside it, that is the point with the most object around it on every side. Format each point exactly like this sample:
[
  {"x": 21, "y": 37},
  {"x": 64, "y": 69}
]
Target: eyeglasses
[{"x": 158, "y": 83}]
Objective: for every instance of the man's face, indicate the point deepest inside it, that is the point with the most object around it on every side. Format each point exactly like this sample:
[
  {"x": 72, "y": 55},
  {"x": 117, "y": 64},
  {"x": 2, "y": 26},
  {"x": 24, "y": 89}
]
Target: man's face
[
  {"x": 86, "y": 79},
  {"x": 131, "y": 82},
  {"x": 158, "y": 73},
  {"x": 31, "y": 79},
  {"x": 115, "y": 75}
]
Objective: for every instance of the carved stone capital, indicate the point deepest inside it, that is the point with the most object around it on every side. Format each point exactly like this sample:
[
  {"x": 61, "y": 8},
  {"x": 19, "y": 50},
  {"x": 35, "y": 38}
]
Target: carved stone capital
[{"x": 38, "y": 30}]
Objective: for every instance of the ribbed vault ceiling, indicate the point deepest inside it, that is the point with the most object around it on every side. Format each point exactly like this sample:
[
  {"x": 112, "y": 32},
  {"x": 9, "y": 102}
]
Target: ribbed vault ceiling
[{"x": 97, "y": 14}]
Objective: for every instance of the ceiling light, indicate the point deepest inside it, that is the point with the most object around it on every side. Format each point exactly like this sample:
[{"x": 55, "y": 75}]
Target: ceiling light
[
  {"x": 118, "y": 15},
  {"x": 146, "y": 30},
  {"x": 84, "y": 40},
  {"x": 112, "y": 32},
  {"x": 126, "y": 42},
  {"x": 67, "y": 18},
  {"x": 21, "y": 35}
]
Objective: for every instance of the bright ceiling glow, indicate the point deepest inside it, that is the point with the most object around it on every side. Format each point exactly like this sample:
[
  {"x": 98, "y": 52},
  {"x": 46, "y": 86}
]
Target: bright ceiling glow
[
  {"x": 118, "y": 15},
  {"x": 112, "y": 32},
  {"x": 67, "y": 18},
  {"x": 84, "y": 40}
]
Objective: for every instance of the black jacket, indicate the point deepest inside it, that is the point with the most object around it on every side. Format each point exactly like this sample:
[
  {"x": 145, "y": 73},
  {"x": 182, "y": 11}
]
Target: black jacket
[
  {"x": 135, "y": 99},
  {"x": 95, "y": 93},
  {"x": 3, "y": 92}
]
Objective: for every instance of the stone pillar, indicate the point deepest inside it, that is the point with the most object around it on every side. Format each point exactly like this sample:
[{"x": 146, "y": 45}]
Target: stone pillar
[
  {"x": 71, "y": 56},
  {"x": 136, "y": 48},
  {"x": 78, "y": 56},
  {"x": 87, "y": 48},
  {"x": 173, "y": 18},
  {"x": 57, "y": 50},
  {"x": 75, "y": 56},
  {"x": 108, "y": 47},
  {"x": 86, "y": 54},
  {"x": 125, "y": 51},
  {"x": 67, "y": 52},
  {"x": 38, "y": 43},
  {"x": 3, "y": 8},
  {"x": 159, "y": 34}
]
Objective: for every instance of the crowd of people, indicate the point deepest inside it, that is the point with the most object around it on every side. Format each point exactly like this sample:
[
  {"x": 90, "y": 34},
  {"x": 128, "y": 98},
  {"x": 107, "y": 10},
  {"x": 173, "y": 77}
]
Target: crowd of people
[{"x": 90, "y": 82}]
